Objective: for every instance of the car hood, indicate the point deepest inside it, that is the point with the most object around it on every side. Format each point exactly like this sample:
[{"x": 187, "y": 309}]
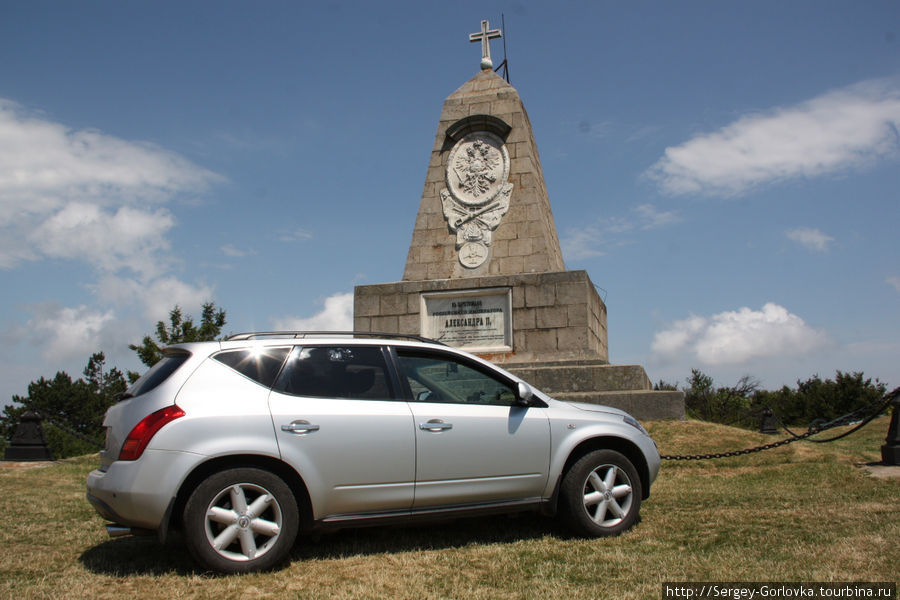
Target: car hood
[{"x": 600, "y": 408}]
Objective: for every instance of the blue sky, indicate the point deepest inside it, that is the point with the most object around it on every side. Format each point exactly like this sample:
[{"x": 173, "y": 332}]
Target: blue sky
[{"x": 726, "y": 172}]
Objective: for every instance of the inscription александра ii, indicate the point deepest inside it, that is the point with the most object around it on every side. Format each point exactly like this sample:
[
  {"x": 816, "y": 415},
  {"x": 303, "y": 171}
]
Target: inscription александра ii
[{"x": 479, "y": 321}]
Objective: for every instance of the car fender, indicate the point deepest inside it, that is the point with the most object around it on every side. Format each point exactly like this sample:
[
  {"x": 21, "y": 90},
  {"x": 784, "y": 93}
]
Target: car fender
[{"x": 569, "y": 435}]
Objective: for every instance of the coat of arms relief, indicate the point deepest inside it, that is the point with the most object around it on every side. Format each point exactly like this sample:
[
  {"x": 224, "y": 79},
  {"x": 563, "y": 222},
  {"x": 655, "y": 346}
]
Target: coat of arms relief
[{"x": 477, "y": 194}]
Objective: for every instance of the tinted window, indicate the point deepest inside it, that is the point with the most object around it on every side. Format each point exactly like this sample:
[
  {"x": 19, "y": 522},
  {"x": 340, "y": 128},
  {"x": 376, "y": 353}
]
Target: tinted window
[
  {"x": 259, "y": 364},
  {"x": 357, "y": 372},
  {"x": 157, "y": 373},
  {"x": 439, "y": 378}
]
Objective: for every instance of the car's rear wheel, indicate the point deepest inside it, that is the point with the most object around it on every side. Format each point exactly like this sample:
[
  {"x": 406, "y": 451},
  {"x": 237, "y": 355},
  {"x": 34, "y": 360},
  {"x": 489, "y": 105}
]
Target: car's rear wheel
[
  {"x": 241, "y": 520},
  {"x": 601, "y": 494}
]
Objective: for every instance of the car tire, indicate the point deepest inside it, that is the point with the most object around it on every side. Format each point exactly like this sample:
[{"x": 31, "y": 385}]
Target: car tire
[
  {"x": 241, "y": 521},
  {"x": 600, "y": 495}
]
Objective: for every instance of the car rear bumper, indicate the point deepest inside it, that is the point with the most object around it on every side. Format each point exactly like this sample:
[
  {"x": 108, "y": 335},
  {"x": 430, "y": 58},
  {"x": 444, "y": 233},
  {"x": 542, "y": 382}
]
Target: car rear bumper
[{"x": 138, "y": 493}]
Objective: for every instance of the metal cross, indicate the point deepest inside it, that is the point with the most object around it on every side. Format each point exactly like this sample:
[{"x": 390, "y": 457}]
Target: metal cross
[{"x": 485, "y": 36}]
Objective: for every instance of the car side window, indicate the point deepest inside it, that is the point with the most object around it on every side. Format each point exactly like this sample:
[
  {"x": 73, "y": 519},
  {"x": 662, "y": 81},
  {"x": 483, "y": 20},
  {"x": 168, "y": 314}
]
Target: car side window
[
  {"x": 259, "y": 364},
  {"x": 351, "y": 372},
  {"x": 439, "y": 378}
]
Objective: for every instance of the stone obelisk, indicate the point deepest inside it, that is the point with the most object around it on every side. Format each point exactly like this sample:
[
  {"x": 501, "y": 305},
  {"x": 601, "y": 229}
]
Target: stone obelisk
[{"x": 485, "y": 271}]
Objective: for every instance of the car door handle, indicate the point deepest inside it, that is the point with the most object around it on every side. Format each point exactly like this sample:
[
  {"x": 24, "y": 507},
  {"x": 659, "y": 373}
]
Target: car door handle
[
  {"x": 300, "y": 427},
  {"x": 435, "y": 425}
]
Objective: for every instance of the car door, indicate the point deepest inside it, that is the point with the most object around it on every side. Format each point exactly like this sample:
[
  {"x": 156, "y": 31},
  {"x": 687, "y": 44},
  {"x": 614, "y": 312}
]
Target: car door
[
  {"x": 474, "y": 443},
  {"x": 339, "y": 423}
]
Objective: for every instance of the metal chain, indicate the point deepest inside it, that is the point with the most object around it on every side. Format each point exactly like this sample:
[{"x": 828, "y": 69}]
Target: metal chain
[
  {"x": 795, "y": 438},
  {"x": 783, "y": 442},
  {"x": 74, "y": 433},
  {"x": 713, "y": 455},
  {"x": 64, "y": 428}
]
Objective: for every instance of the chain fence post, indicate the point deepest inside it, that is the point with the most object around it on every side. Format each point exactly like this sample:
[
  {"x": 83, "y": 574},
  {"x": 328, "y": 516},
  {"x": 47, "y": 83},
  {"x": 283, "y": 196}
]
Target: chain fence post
[
  {"x": 767, "y": 423},
  {"x": 890, "y": 451}
]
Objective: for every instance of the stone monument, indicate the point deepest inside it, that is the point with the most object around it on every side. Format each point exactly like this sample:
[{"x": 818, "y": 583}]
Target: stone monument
[{"x": 485, "y": 270}]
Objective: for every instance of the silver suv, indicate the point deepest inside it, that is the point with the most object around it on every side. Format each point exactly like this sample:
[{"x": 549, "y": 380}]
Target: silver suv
[{"x": 245, "y": 442}]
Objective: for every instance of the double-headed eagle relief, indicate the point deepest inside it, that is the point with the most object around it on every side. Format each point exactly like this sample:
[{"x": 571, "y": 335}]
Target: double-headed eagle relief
[{"x": 477, "y": 194}]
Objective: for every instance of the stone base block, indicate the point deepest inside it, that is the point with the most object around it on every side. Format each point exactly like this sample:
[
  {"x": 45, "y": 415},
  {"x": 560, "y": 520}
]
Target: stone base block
[
  {"x": 581, "y": 376},
  {"x": 621, "y": 386},
  {"x": 644, "y": 405},
  {"x": 23, "y": 453}
]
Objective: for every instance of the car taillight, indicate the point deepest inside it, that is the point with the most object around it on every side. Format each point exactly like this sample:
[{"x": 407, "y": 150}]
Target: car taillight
[{"x": 144, "y": 431}]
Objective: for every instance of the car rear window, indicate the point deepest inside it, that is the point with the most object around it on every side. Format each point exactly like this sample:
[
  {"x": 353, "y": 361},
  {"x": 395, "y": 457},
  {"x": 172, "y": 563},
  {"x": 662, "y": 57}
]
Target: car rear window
[
  {"x": 259, "y": 364},
  {"x": 157, "y": 373}
]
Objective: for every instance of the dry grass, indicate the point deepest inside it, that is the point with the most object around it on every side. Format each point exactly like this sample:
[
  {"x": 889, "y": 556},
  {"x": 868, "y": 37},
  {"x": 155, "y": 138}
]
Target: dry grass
[{"x": 802, "y": 512}]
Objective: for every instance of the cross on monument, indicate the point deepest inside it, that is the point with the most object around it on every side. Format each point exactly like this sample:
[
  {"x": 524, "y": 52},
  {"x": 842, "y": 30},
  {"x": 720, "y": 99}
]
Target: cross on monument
[{"x": 485, "y": 36}]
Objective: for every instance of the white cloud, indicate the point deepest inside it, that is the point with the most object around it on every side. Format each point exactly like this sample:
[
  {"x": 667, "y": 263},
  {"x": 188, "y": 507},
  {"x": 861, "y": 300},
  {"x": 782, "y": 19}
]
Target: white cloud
[
  {"x": 66, "y": 333},
  {"x": 812, "y": 239},
  {"x": 651, "y": 218},
  {"x": 598, "y": 238},
  {"x": 337, "y": 315},
  {"x": 594, "y": 240},
  {"x": 893, "y": 281},
  {"x": 83, "y": 194},
  {"x": 734, "y": 337},
  {"x": 39, "y": 158},
  {"x": 296, "y": 235},
  {"x": 153, "y": 298},
  {"x": 235, "y": 252},
  {"x": 92, "y": 198},
  {"x": 842, "y": 129},
  {"x": 127, "y": 238}
]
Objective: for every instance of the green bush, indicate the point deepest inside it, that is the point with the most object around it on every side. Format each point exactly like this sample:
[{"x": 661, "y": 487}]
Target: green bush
[{"x": 813, "y": 400}]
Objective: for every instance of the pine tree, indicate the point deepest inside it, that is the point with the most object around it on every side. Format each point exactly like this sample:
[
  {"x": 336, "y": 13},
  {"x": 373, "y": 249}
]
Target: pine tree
[{"x": 180, "y": 329}]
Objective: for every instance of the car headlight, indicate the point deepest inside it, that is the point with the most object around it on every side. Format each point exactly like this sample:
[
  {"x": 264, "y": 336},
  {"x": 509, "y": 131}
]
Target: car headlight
[{"x": 634, "y": 423}]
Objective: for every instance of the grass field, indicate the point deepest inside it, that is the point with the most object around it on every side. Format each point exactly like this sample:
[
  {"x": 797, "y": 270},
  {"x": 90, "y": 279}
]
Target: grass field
[{"x": 802, "y": 512}]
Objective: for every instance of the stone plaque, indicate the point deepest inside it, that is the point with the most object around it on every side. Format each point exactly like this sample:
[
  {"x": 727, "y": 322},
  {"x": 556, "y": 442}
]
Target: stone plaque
[{"x": 476, "y": 320}]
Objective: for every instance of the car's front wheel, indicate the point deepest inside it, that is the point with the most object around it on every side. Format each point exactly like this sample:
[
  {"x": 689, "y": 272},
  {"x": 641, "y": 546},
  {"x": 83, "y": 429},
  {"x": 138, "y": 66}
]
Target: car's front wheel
[
  {"x": 240, "y": 521},
  {"x": 601, "y": 494}
]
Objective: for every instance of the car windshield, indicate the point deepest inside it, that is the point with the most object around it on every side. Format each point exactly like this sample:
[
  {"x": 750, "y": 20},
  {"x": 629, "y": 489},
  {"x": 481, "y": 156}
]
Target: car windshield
[{"x": 157, "y": 373}]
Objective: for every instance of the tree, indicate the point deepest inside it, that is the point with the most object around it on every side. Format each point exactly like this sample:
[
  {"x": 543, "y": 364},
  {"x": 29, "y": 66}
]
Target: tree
[
  {"x": 69, "y": 406},
  {"x": 828, "y": 400},
  {"x": 728, "y": 405},
  {"x": 698, "y": 395},
  {"x": 181, "y": 329}
]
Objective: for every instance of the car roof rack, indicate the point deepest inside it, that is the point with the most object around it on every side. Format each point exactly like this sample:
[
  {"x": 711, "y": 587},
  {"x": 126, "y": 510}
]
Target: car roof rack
[{"x": 255, "y": 335}]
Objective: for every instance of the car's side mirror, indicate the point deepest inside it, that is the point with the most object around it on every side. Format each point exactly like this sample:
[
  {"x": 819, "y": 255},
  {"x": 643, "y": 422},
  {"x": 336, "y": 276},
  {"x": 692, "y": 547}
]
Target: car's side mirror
[{"x": 524, "y": 394}]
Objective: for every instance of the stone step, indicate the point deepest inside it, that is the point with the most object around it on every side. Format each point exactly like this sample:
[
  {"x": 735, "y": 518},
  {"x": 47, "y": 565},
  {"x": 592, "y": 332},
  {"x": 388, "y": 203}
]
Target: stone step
[
  {"x": 646, "y": 405},
  {"x": 582, "y": 376}
]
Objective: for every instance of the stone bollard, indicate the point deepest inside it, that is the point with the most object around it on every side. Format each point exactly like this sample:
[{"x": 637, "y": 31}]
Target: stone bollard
[
  {"x": 28, "y": 442},
  {"x": 890, "y": 451}
]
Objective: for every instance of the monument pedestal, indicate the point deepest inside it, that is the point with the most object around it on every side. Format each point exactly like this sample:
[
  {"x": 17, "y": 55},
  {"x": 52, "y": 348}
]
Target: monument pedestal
[
  {"x": 552, "y": 333},
  {"x": 532, "y": 316}
]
